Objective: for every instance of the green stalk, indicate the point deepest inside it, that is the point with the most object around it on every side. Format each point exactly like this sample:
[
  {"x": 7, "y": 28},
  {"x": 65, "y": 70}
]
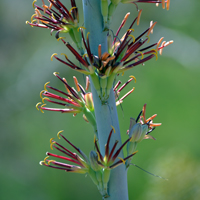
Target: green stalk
[{"x": 106, "y": 114}]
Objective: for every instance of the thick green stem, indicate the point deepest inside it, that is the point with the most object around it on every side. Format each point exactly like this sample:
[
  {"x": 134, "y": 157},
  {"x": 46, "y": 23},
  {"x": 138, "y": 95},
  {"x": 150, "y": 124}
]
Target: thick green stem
[{"x": 106, "y": 114}]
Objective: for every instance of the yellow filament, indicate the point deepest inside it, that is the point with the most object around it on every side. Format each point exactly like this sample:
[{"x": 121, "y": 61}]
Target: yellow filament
[
  {"x": 122, "y": 160},
  {"x": 139, "y": 15},
  {"x": 38, "y": 105},
  {"x": 59, "y": 133},
  {"x": 45, "y": 159},
  {"x": 42, "y": 107},
  {"x": 151, "y": 28},
  {"x": 45, "y": 86},
  {"x": 33, "y": 21},
  {"x": 45, "y": 98},
  {"x": 132, "y": 37},
  {"x": 156, "y": 55},
  {"x": 94, "y": 139},
  {"x": 27, "y": 22},
  {"x": 113, "y": 128},
  {"x": 163, "y": 4},
  {"x": 80, "y": 28},
  {"x": 141, "y": 54},
  {"x": 148, "y": 39},
  {"x": 122, "y": 73},
  {"x": 155, "y": 51},
  {"x": 51, "y": 145},
  {"x": 41, "y": 94},
  {"x": 41, "y": 162},
  {"x": 32, "y": 17},
  {"x": 60, "y": 38},
  {"x": 50, "y": 161},
  {"x": 34, "y": 3},
  {"x": 76, "y": 83},
  {"x": 64, "y": 55},
  {"x": 53, "y": 16},
  {"x": 133, "y": 78},
  {"x": 53, "y": 56},
  {"x": 71, "y": 10},
  {"x": 51, "y": 140},
  {"x": 84, "y": 55}
]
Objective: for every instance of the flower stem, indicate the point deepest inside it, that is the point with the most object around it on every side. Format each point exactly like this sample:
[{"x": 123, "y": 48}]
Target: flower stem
[{"x": 106, "y": 114}]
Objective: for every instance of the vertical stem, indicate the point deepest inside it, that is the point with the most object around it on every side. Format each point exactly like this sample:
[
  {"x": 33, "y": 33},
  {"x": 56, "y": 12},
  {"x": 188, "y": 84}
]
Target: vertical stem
[{"x": 106, "y": 114}]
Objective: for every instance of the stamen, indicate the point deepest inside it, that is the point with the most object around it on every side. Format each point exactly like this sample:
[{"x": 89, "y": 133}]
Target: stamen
[
  {"x": 50, "y": 161},
  {"x": 163, "y": 4},
  {"x": 151, "y": 118},
  {"x": 133, "y": 78},
  {"x": 52, "y": 145},
  {"x": 42, "y": 93},
  {"x": 45, "y": 98},
  {"x": 139, "y": 15},
  {"x": 42, "y": 107},
  {"x": 76, "y": 83},
  {"x": 87, "y": 34},
  {"x": 51, "y": 140},
  {"x": 141, "y": 54},
  {"x": 64, "y": 55},
  {"x": 133, "y": 38},
  {"x": 122, "y": 160},
  {"x": 167, "y": 4},
  {"x": 151, "y": 28},
  {"x": 60, "y": 39},
  {"x": 45, "y": 85},
  {"x": 27, "y": 22},
  {"x": 158, "y": 44},
  {"x": 130, "y": 29},
  {"x": 32, "y": 17},
  {"x": 148, "y": 39},
  {"x": 54, "y": 54},
  {"x": 66, "y": 86},
  {"x": 55, "y": 73},
  {"x": 87, "y": 83},
  {"x": 71, "y": 9},
  {"x": 38, "y": 105},
  {"x": 125, "y": 19},
  {"x": 156, "y": 54},
  {"x": 53, "y": 16},
  {"x": 162, "y": 45},
  {"x": 58, "y": 134},
  {"x": 50, "y": 6},
  {"x": 168, "y": 43},
  {"x": 33, "y": 21},
  {"x": 98, "y": 156},
  {"x": 41, "y": 162},
  {"x": 81, "y": 27},
  {"x": 113, "y": 128},
  {"x": 45, "y": 159},
  {"x": 34, "y": 3}
]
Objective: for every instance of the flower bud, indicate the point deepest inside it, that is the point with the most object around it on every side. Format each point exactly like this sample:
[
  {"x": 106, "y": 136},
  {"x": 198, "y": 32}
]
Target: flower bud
[
  {"x": 94, "y": 161},
  {"x": 144, "y": 131},
  {"x": 135, "y": 132}
]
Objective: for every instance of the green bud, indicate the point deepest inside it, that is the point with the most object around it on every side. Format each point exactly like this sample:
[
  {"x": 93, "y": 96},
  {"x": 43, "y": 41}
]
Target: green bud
[
  {"x": 135, "y": 132},
  {"x": 92, "y": 175},
  {"x": 94, "y": 161},
  {"x": 103, "y": 85},
  {"x": 144, "y": 131}
]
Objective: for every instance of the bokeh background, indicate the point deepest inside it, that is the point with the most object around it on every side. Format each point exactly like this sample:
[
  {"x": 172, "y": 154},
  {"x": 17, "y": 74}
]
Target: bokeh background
[{"x": 169, "y": 86}]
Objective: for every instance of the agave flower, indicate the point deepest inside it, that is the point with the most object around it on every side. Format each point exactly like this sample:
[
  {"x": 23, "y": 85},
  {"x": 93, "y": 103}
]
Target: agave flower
[{"x": 122, "y": 55}]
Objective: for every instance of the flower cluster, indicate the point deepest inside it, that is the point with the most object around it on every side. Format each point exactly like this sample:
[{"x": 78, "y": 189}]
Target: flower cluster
[{"x": 97, "y": 166}]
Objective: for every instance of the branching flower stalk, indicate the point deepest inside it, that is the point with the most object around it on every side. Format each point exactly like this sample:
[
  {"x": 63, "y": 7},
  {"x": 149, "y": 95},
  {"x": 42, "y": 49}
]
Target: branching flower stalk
[{"x": 101, "y": 56}]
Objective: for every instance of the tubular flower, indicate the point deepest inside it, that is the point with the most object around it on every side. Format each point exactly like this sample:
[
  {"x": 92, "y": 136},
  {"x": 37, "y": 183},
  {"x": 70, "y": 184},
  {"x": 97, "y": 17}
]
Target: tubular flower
[
  {"x": 140, "y": 130},
  {"x": 73, "y": 101},
  {"x": 122, "y": 55},
  {"x": 57, "y": 18},
  {"x": 96, "y": 166}
]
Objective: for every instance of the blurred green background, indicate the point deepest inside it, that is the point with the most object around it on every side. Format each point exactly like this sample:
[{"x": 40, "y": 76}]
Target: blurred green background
[{"x": 169, "y": 86}]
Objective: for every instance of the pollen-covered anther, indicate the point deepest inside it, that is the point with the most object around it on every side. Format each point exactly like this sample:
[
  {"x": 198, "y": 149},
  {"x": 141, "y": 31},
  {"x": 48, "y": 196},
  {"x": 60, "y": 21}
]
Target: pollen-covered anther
[
  {"x": 76, "y": 83},
  {"x": 27, "y": 22},
  {"x": 45, "y": 98},
  {"x": 162, "y": 45},
  {"x": 141, "y": 54},
  {"x": 51, "y": 140},
  {"x": 132, "y": 37},
  {"x": 55, "y": 73},
  {"x": 50, "y": 161},
  {"x": 54, "y": 54},
  {"x": 32, "y": 17},
  {"x": 148, "y": 39},
  {"x": 72, "y": 9},
  {"x": 53, "y": 16},
  {"x": 51, "y": 145},
  {"x": 45, "y": 159},
  {"x": 58, "y": 134},
  {"x": 81, "y": 27},
  {"x": 167, "y": 4},
  {"x": 42, "y": 93},
  {"x": 60, "y": 38},
  {"x": 130, "y": 29},
  {"x": 122, "y": 160},
  {"x": 33, "y": 4},
  {"x": 113, "y": 129},
  {"x": 156, "y": 55},
  {"x": 45, "y": 85},
  {"x": 159, "y": 42},
  {"x": 151, "y": 28},
  {"x": 38, "y": 105},
  {"x": 125, "y": 19},
  {"x": 163, "y": 4},
  {"x": 64, "y": 55},
  {"x": 41, "y": 162},
  {"x": 139, "y": 15},
  {"x": 42, "y": 107},
  {"x": 133, "y": 77},
  {"x": 84, "y": 55}
]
